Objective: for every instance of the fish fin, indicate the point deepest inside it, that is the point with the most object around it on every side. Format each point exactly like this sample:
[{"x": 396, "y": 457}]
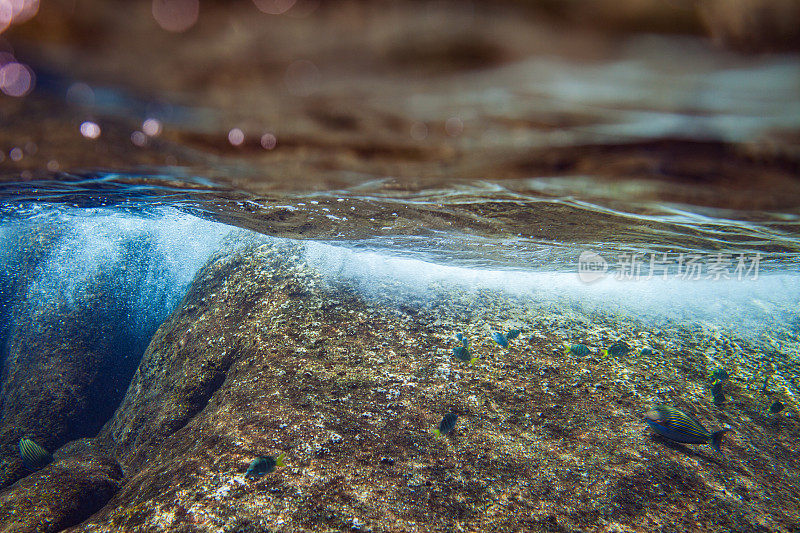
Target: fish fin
[
  {"x": 605, "y": 352},
  {"x": 567, "y": 349},
  {"x": 437, "y": 432},
  {"x": 716, "y": 440},
  {"x": 279, "y": 461},
  {"x": 472, "y": 361}
]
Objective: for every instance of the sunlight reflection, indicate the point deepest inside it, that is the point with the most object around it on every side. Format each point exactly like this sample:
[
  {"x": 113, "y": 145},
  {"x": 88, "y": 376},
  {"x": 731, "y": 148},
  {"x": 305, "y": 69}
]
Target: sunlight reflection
[
  {"x": 90, "y": 130},
  {"x": 274, "y": 7},
  {"x": 16, "y": 79},
  {"x": 176, "y": 15}
]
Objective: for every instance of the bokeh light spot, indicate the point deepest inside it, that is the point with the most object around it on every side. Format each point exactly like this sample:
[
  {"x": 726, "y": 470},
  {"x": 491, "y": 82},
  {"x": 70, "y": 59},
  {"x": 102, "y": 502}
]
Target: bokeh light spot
[
  {"x": 16, "y": 153},
  {"x": 176, "y": 15},
  {"x": 16, "y": 12},
  {"x": 274, "y": 7},
  {"x": 151, "y": 127},
  {"x": 16, "y": 79},
  {"x": 53, "y": 165},
  {"x": 81, "y": 94},
  {"x": 269, "y": 141},
  {"x": 90, "y": 130},
  {"x": 236, "y": 136},
  {"x": 6, "y": 15},
  {"x": 138, "y": 138}
]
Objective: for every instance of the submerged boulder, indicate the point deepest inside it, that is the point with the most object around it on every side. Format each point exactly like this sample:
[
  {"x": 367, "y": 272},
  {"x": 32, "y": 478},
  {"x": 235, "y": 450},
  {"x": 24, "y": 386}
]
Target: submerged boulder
[
  {"x": 265, "y": 357},
  {"x": 71, "y": 347},
  {"x": 81, "y": 479}
]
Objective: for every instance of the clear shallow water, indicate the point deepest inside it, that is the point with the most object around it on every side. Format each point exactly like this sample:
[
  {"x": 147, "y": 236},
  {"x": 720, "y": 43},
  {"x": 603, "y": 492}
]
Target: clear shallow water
[{"x": 537, "y": 224}]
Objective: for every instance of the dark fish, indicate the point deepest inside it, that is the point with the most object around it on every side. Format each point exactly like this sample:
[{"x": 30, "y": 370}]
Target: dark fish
[
  {"x": 463, "y": 354},
  {"x": 264, "y": 465},
  {"x": 446, "y": 425},
  {"x": 618, "y": 349},
  {"x": 581, "y": 350},
  {"x": 500, "y": 339},
  {"x": 718, "y": 393},
  {"x": 512, "y": 334},
  {"x": 33, "y": 456},
  {"x": 776, "y": 407},
  {"x": 680, "y": 427},
  {"x": 720, "y": 374},
  {"x": 646, "y": 351}
]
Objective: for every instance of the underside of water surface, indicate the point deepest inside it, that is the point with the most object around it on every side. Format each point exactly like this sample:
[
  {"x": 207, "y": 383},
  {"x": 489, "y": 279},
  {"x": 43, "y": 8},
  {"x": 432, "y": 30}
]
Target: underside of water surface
[{"x": 399, "y": 266}]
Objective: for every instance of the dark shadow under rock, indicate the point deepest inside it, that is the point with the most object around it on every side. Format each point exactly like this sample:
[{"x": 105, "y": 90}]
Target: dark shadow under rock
[{"x": 81, "y": 479}]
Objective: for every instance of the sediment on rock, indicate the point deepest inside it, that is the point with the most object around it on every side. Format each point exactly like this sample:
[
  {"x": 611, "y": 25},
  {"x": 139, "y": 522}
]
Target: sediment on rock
[
  {"x": 264, "y": 356},
  {"x": 81, "y": 479},
  {"x": 71, "y": 346}
]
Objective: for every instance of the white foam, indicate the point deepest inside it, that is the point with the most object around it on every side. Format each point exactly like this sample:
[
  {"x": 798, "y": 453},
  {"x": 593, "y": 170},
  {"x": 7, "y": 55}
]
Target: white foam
[
  {"x": 156, "y": 256},
  {"x": 747, "y": 305}
]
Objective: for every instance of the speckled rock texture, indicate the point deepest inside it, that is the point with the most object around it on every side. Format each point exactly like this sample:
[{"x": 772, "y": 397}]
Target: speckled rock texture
[
  {"x": 68, "y": 354},
  {"x": 265, "y": 356},
  {"x": 81, "y": 479}
]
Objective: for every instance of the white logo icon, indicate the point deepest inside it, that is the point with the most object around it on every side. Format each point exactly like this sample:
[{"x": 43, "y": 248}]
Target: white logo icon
[{"x": 591, "y": 266}]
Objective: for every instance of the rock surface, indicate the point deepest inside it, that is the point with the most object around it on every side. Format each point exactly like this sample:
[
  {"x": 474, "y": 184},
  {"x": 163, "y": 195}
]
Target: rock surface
[
  {"x": 80, "y": 480},
  {"x": 70, "y": 351},
  {"x": 264, "y": 356}
]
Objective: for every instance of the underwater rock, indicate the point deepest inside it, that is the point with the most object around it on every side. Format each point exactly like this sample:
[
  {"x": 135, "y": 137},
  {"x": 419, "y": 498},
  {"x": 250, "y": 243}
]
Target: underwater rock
[
  {"x": 265, "y": 355},
  {"x": 23, "y": 248},
  {"x": 71, "y": 350},
  {"x": 80, "y": 480}
]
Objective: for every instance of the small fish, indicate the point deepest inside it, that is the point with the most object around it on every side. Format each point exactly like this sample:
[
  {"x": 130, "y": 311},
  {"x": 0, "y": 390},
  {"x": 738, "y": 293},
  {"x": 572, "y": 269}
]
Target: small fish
[
  {"x": 500, "y": 339},
  {"x": 680, "y": 427},
  {"x": 646, "y": 351},
  {"x": 462, "y": 339},
  {"x": 776, "y": 407},
  {"x": 264, "y": 465},
  {"x": 463, "y": 354},
  {"x": 33, "y": 456},
  {"x": 446, "y": 425},
  {"x": 718, "y": 393},
  {"x": 719, "y": 374},
  {"x": 512, "y": 334},
  {"x": 618, "y": 349},
  {"x": 581, "y": 350}
]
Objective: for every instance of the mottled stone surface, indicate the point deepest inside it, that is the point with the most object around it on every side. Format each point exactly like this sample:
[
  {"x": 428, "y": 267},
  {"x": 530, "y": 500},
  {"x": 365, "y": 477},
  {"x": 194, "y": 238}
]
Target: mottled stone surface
[
  {"x": 264, "y": 356},
  {"x": 81, "y": 479},
  {"x": 72, "y": 344}
]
